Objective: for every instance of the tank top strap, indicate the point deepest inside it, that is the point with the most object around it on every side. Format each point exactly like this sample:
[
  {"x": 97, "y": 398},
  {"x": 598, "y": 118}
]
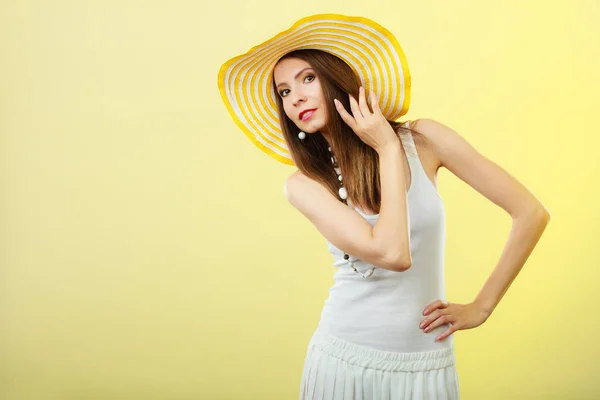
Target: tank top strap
[
  {"x": 417, "y": 171},
  {"x": 409, "y": 143}
]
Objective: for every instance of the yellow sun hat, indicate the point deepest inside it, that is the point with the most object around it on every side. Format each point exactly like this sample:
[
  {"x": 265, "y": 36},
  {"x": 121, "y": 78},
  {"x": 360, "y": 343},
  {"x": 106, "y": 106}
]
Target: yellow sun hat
[{"x": 373, "y": 53}]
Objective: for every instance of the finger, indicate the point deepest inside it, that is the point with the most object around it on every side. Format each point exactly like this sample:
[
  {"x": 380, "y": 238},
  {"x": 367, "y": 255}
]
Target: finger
[
  {"x": 442, "y": 320},
  {"x": 362, "y": 102},
  {"x": 355, "y": 109},
  {"x": 446, "y": 333},
  {"x": 433, "y": 316},
  {"x": 434, "y": 305},
  {"x": 347, "y": 118},
  {"x": 375, "y": 103}
]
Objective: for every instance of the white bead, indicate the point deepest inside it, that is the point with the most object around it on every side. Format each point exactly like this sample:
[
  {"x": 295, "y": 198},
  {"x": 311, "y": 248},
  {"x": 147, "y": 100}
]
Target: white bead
[
  {"x": 340, "y": 178},
  {"x": 302, "y": 135},
  {"x": 329, "y": 148},
  {"x": 343, "y": 194}
]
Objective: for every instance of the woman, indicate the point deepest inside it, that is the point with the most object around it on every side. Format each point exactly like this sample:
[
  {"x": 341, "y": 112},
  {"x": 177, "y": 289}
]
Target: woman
[{"x": 367, "y": 183}]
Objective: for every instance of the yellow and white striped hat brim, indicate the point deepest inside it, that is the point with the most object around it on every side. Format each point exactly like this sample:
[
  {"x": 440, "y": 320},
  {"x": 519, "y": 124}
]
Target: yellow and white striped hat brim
[{"x": 368, "y": 48}]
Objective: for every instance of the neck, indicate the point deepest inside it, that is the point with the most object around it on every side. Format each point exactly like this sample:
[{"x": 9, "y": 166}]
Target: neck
[{"x": 327, "y": 138}]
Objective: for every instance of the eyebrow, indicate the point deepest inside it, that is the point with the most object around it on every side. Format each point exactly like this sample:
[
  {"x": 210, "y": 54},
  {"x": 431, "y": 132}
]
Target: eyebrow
[{"x": 295, "y": 76}]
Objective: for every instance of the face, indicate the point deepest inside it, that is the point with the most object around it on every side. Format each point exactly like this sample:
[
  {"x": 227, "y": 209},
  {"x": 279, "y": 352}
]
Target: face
[{"x": 300, "y": 90}]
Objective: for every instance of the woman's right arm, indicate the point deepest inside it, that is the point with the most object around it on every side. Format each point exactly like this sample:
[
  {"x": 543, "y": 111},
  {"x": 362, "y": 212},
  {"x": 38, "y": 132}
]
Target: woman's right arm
[
  {"x": 385, "y": 245},
  {"x": 391, "y": 228}
]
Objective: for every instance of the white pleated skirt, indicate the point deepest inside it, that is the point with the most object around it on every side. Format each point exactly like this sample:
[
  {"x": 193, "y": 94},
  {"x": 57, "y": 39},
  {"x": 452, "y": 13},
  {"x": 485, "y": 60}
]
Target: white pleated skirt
[{"x": 336, "y": 369}]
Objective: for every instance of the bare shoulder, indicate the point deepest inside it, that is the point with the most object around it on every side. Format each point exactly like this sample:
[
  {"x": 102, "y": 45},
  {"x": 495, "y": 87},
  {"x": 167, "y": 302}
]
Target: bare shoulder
[
  {"x": 293, "y": 180},
  {"x": 442, "y": 142},
  {"x": 427, "y": 148},
  {"x": 436, "y": 133},
  {"x": 298, "y": 184}
]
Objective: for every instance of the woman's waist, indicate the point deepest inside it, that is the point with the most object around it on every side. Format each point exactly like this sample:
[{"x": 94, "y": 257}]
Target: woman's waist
[
  {"x": 394, "y": 328},
  {"x": 384, "y": 297},
  {"x": 385, "y": 351}
]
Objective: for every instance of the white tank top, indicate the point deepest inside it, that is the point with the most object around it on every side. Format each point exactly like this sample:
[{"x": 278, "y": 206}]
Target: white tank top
[{"x": 384, "y": 310}]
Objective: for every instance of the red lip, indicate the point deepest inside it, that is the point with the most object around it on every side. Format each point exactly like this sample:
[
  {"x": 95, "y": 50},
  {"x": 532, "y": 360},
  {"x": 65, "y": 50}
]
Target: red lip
[{"x": 305, "y": 111}]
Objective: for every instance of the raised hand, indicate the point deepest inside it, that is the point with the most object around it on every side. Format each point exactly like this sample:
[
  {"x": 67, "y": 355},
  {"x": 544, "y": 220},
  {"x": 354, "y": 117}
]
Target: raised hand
[{"x": 371, "y": 127}]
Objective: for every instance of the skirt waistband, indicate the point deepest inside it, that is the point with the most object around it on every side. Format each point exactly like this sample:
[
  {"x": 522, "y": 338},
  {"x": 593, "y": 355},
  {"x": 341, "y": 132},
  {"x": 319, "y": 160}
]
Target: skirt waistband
[{"x": 382, "y": 360}]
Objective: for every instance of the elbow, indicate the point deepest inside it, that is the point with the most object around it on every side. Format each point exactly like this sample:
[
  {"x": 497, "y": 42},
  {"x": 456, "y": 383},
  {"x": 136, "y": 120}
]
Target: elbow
[
  {"x": 402, "y": 266},
  {"x": 397, "y": 261},
  {"x": 538, "y": 214},
  {"x": 546, "y": 216}
]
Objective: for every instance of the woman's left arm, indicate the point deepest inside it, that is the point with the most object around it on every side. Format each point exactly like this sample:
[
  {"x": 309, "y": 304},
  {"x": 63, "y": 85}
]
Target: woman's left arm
[
  {"x": 529, "y": 217},
  {"x": 525, "y": 233}
]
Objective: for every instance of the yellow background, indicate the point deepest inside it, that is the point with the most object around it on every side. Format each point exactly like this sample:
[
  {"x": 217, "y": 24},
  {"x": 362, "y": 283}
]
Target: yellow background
[{"x": 147, "y": 250}]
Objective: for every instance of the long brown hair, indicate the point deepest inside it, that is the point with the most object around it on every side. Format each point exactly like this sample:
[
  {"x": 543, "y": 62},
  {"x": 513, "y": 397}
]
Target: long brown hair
[{"x": 358, "y": 161}]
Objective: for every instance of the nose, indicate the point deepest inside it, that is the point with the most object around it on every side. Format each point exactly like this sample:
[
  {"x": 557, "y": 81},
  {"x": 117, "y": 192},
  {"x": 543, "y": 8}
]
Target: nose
[{"x": 299, "y": 98}]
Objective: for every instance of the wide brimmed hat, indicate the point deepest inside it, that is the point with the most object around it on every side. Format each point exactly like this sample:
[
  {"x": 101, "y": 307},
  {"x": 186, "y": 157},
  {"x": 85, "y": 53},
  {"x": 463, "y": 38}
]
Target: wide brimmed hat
[{"x": 368, "y": 48}]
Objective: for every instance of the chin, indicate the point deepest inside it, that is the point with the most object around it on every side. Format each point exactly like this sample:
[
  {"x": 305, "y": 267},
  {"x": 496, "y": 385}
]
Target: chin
[{"x": 312, "y": 129}]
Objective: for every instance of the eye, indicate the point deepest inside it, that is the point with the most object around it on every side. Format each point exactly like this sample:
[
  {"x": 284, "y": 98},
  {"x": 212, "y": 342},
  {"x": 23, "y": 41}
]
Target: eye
[{"x": 282, "y": 93}]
